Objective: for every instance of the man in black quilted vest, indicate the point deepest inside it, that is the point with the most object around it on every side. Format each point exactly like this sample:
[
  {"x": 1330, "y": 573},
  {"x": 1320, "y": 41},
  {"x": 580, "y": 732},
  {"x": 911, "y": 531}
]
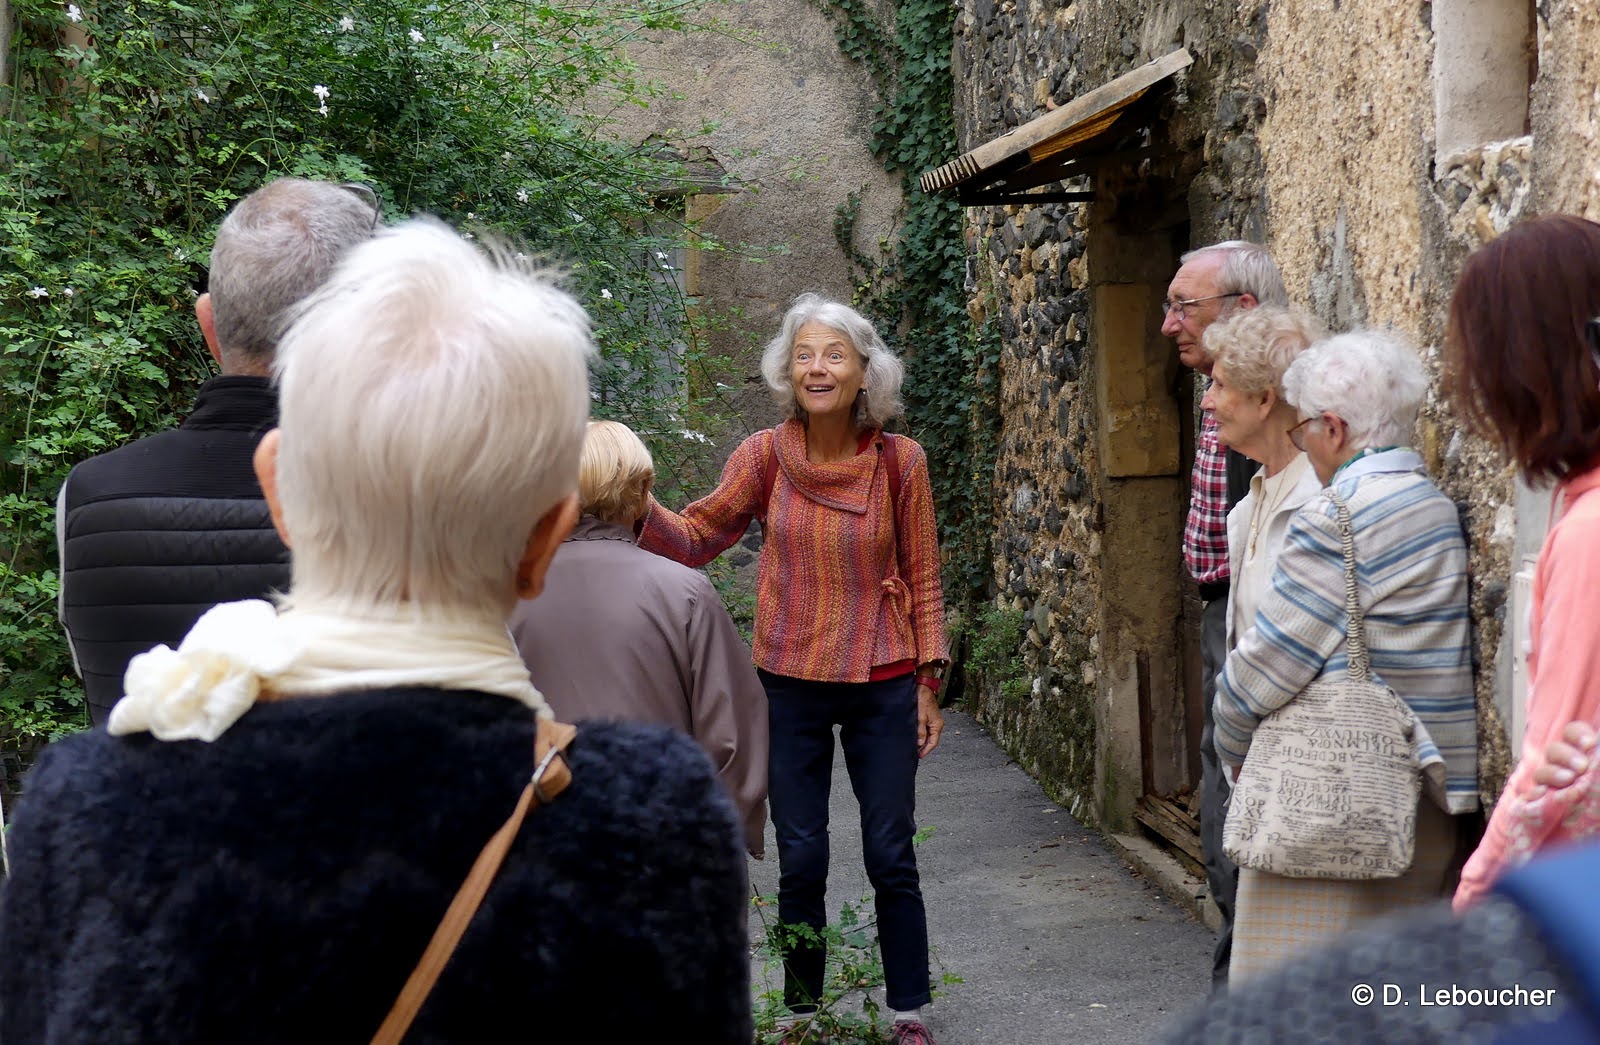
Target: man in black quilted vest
[{"x": 155, "y": 533}]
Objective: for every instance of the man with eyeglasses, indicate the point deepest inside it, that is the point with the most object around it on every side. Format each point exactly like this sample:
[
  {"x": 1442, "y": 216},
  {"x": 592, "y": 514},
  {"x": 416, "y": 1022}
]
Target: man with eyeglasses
[
  {"x": 1212, "y": 283},
  {"x": 154, "y": 533}
]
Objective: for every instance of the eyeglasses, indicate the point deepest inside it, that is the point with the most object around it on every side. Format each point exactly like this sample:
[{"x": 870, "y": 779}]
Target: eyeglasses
[
  {"x": 367, "y": 195},
  {"x": 1297, "y": 434},
  {"x": 1185, "y": 309}
]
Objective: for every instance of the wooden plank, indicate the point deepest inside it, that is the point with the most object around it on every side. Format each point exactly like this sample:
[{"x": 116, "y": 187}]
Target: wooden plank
[
  {"x": 1186, "y": 848},
  {"x": 1175, "y": 831},
  {"x": 1077, "y": 121}
]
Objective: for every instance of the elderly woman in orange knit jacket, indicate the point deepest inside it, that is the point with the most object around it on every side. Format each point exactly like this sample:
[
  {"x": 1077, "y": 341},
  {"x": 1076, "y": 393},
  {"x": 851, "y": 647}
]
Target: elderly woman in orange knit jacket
[{"x": 849, "y": 626}]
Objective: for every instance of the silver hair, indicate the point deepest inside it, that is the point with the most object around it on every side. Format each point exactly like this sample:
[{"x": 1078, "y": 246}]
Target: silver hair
[
  {"x": 274, "y": 248},
  {"x": 880, "y": 400},
  {"x": 1247, "y": 268},
  {"x": 1257, "y": 345},
  {"x": 433, "y": 403},
  {"x": 1372, "y": 379}
]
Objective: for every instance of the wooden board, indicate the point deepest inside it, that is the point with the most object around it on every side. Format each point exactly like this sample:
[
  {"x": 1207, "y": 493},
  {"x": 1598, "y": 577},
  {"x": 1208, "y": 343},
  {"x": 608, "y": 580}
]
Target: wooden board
[
  {"x": 1175, "y": 824},
  {"x": 1079, "y": 121}
]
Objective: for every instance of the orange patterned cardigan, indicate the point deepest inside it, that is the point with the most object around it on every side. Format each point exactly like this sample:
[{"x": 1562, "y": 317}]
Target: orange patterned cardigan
[{"x": 829, "y": 608}]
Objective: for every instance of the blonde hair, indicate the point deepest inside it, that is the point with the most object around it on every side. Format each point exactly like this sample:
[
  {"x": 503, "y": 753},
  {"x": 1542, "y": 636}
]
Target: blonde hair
[
  {"x": 1257, "y": 345},
  {"x": 433, "y": 399},
  {"x": 615, "y": 471}
]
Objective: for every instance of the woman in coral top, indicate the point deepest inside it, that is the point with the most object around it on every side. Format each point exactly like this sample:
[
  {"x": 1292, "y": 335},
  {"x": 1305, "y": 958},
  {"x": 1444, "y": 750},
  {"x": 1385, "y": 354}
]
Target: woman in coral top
[
  {"x": 849, "y": 626},
  {"x": 1525, "y": 367}
]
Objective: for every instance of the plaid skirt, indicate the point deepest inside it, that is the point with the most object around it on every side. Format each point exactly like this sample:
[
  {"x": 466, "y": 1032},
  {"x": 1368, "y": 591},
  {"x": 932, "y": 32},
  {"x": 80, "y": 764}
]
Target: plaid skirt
[{"x": 1276, "y": 919}]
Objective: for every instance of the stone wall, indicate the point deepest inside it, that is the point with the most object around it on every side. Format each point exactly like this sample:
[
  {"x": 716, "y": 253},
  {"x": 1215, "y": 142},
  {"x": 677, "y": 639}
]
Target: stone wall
[
  {"x": 789, "y": 119},
  {"x": 1284, "y": 133},
  {"x": 1091, "y": 473}
]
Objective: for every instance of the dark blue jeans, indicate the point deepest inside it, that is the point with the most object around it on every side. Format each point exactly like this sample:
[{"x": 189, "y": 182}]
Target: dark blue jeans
[{"x": 878, "y": 732}]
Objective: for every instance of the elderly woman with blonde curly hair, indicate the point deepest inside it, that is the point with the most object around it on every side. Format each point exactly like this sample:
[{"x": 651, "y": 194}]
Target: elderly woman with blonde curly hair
[
  {"x": 849, "y": 628},
  {"x": 1358, "y": 395},
  {"x": 264, "y": 841},
  {"x": 1250, "y": 353},
  {"x": 623, "y": 634}
]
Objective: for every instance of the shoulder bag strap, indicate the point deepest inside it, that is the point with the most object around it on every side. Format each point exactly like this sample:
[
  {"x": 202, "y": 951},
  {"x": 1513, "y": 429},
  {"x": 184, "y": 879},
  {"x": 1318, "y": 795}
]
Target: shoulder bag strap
[
  {"x": 1359, "y": 665},
  {"x": 551, "y": 775},
  {"x": 769, "y": 476}
]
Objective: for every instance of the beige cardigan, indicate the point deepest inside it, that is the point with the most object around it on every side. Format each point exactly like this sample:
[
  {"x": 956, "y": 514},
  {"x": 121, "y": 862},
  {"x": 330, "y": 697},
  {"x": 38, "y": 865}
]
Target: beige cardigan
[
  {"x": 619, "y": 633},
  {"x": 1252, "y": 579}
]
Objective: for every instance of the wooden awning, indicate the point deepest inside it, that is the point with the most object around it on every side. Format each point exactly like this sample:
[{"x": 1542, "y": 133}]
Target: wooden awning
[{"x": 1095, "y": 130}]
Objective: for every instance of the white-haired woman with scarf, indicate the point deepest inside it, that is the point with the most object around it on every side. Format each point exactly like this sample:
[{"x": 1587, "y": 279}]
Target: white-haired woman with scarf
[{"x": 265, "y": 840}]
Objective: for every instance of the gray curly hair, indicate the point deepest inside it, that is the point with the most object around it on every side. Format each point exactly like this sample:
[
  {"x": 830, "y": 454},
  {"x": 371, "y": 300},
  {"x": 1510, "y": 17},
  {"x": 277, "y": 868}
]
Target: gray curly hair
[{"x": 880, "y": 399}]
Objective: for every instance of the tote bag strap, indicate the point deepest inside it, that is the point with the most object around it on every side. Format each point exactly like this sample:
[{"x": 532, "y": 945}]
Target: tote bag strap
[
  {"x": 551, "y": 775},
  {"x": 1359, "y": 666}
]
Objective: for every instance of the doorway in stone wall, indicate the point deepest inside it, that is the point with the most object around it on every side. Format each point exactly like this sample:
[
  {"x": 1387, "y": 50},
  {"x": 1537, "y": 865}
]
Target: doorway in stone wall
[{"x": 1150, "y": 618}]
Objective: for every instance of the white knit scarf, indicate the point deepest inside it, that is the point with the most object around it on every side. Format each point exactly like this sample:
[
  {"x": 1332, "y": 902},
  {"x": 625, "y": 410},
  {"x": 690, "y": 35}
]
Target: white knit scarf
[{"x": 239, "y": 652}]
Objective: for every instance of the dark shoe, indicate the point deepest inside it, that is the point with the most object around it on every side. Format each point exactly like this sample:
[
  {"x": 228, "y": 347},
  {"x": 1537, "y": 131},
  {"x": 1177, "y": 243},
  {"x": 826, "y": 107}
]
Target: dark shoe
[{"x": 911, "y": 1032}]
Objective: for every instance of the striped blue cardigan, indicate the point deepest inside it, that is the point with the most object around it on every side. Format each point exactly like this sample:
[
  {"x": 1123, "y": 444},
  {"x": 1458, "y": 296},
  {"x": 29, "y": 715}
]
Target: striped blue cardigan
[{"x": 1411, "y": 571}]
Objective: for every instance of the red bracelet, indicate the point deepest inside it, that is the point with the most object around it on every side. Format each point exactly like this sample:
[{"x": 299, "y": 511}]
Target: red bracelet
[{"x": 929, "y": 681}]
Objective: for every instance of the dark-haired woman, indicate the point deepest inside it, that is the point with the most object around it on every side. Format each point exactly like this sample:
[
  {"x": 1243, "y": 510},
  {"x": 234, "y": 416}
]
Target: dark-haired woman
[{"x": 1524, "y": 367}]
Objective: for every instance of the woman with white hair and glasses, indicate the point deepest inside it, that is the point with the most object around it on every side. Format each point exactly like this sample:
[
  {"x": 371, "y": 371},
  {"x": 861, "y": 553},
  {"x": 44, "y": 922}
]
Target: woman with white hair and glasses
[
  {"x": 264, "y": 843},
  {"x": 1358, "y": 395},
  {"x": 849, "y": 629}
]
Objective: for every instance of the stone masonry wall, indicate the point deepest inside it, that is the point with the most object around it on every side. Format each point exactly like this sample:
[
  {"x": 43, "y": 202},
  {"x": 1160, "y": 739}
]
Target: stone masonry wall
[{"x": 1016, "y": 60}]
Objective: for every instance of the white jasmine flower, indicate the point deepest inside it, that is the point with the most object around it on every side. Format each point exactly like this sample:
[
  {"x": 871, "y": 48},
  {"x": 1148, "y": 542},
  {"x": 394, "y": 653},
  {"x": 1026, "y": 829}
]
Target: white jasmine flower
[
  {"x": 201, "y": 95},
  {"x": 522, "y": 195},
  {"x": 694, "y": 437},
  {"x": 661, "y": 255},
  {"x": 40, "y": 292},
  {"x": 73, "y": 13},
  {"x": 346, "y": 24},
  {"x": 321, "y": 91},
  {"x": 466, "y": 235},
  {"x": 603, "y": 293},
  {"x": 416, "y": 36},
  {"x": 212, "y": 678},
  {"x": 521, "y": 256},
  {"x": 576, "y": 216},
  {"x": 471, "y": 216},
  {"x": 67, "y": 291},
  {"x": 495, "y": 45},
  {"x": 181, "y": 254}
]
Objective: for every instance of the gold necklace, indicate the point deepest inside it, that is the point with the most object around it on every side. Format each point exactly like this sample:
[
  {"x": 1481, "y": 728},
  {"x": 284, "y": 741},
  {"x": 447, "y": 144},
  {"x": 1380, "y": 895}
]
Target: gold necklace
[{"x": 1262, "y": 511}]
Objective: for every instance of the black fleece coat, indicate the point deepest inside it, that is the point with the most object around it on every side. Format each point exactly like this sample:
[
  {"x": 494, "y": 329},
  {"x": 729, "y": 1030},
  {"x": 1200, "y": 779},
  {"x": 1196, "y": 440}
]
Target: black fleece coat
[{"x": 279, "y": 884}]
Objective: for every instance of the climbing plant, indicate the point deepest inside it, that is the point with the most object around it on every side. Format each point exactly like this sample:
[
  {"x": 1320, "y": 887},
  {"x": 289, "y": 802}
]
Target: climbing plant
[
  {"x": 127, "y": 130},
  {"x": 916, "y": 288}
]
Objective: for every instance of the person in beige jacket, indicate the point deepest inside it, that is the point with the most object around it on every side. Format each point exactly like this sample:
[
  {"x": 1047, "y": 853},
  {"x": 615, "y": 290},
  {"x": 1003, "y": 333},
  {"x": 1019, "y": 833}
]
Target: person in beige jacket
[{"x": 621, "y": 633}]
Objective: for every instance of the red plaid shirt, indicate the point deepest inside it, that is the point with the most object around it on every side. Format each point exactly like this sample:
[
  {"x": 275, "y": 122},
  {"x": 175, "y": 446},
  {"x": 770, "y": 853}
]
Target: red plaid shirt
[{"x": 1205, "y": 534}]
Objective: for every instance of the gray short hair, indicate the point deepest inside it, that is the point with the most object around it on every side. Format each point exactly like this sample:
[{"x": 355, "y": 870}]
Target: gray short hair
[
  {"x": 1247, "y": 268},
  {"x": 274, "y": 248},
  {"x": 884, "y": 372},
  {"x": 1257, "y": 345},
  {"x": 433, "y": 403},
  {"x": 1372, "y": 379}
]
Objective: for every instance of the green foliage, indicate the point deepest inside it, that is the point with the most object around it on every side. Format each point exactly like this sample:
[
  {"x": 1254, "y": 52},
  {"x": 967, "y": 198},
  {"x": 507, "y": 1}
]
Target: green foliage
[
  {"x": 131, "y": 127},
  {"x": 847, "y": 1013},
  {"x": 994, "y": 661},
  {"x": 917, "y": 291}
]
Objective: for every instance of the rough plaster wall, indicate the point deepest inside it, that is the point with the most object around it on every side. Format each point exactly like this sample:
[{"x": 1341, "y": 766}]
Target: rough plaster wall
[
  {"x": 1345, "y": 143},
  {"x": 1566, "y": 111},
  {"x": 793, "y": 122}
]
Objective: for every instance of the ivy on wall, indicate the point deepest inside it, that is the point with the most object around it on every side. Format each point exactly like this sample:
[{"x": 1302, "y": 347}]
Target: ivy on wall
[{"x": 917, "y": 291}]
